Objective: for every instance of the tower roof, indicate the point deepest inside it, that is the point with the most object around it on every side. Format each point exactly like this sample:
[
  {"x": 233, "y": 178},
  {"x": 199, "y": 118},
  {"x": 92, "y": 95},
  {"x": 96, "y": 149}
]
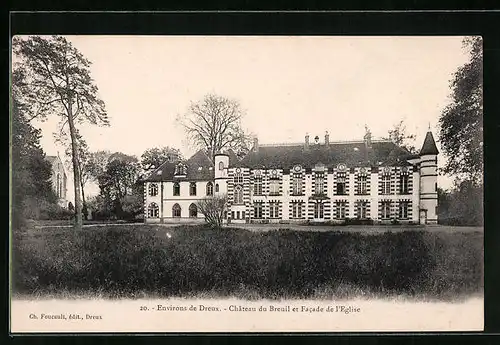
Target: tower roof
[{"x": 429, "y": 146}]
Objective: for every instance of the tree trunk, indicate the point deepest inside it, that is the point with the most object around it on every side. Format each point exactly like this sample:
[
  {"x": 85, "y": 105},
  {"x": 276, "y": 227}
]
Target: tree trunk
[
  {"x": 76, "y": 171},
  {"x": 84, "y": 204}
]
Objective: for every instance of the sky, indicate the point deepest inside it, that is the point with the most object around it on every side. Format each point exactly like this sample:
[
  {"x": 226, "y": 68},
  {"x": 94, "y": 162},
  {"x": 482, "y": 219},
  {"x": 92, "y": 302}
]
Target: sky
[{"x": 287, "y": 86}]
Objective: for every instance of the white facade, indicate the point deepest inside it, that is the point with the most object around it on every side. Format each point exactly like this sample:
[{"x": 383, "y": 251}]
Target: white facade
[{"x": 404, "y": 191}]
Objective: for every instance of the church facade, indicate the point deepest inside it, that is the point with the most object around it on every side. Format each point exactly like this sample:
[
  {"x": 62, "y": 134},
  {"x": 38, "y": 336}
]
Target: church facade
[
  {"x": 304, "y": 182},
  {"x": 58, "y": 179}
]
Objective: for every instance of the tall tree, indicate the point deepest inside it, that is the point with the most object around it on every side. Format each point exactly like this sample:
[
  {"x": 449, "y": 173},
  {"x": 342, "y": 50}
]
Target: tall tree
[
  {"x": 118, "y": 182},
  {"x": 154, "y": 157},
  {"x": 31, "y": 172},
  {"x": 461, "y": 122},
  {"x": 399, "y": 135},
  {"x": 214, "y": 123},
  {"x": 84, "y": 164},
  {"x": 58, "y": 82}
]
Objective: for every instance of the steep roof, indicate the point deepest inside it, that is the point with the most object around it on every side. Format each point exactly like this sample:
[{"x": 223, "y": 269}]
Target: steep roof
[
  {"x": 349, "y": 153},
  {"x": 429, "y": 146},
  {"x": 199, "y": 168}
]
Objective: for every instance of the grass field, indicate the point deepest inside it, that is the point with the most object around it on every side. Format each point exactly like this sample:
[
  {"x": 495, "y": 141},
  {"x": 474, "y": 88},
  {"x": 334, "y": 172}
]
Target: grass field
[{"x": 137, "y": 261}]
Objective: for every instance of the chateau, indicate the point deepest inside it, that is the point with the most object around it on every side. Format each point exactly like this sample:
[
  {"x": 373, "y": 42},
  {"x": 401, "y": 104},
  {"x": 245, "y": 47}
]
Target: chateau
[{"x": 298, "y": 182}]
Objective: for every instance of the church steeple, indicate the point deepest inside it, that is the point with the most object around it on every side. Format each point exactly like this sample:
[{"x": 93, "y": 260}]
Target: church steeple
[{"x": 429, "y": 147}]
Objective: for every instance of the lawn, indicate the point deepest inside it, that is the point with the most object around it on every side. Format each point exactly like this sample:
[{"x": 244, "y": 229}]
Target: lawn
[{"x": 153, "y": 261}]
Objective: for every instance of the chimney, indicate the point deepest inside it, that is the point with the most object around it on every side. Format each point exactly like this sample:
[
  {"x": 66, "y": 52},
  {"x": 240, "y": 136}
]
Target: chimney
[
  {"x": 306, "y": 145},
  {"x": 327, "y": 138},
  {"x": 255, "y": 144},
  {"x": 368, "y": 138}
]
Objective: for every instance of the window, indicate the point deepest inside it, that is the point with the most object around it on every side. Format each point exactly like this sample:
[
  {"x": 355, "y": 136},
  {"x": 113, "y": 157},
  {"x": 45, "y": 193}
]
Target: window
[
  {"x": 153, "y": 189},
  {"x": 237, "y": 214},
  {"x": 403, "y": 210},
  {"x": 221, "y": 165},
  {"x": 341, "y": 183},
  {"x": 257, "y": 210},
  {"x": 297, "y": 184},
  {"x": 177, "y": 189},
  {"x": 274, "y": 187},
  {"x": 386, "y": 210},
  {"x": 341, "y": 209},
  {"x": 176, "y": 211},
  {"x": 435, "y": 187},
  {"x": 193, "y": 211},
  {"x": 319, "y": 179},
  {"x": 192, "y": 188},
  {"x": 318, "y": 210},
  {"x": 362, "y": 184},
  {"x": 386, "y": 184},
  {"x": 153, "y": 210},
  {"x": 296, "y": 210},
  {"x": 238, "y": 178},
  {"x": 274, "y": 210},
  {"x": 216, "y": 188},
  {"x": 232, "y": 214},
  {"x": 210, "y": 189},
  {"x": 180, "y": 169},
  {"x": 362, "y": 205},
  {"x": 257, "y": 185},
  {"x": 58, "y": 187},
  {"x": 403, "y": 184},
  {"x": 238, "y": 195}
]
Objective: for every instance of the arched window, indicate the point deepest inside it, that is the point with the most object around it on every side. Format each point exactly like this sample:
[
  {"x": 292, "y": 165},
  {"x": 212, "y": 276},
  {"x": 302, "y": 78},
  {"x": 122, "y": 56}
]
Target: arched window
[
  {"x": 216, "y": 188},
  {"x": 58, "y": 194},
  {"x": 192, "y": 188},
  {"x": 153, "y": 210},
  {"x": 193, "y": 211},
  {"x": 221, "y": 165},
  {"x": 238, "y": 195},
  {"x": 210, "y": 188},
  {"x": 177, "y": 189},
  {"x": 153, "y": 189},
  {"x": 176, "y": 211}
]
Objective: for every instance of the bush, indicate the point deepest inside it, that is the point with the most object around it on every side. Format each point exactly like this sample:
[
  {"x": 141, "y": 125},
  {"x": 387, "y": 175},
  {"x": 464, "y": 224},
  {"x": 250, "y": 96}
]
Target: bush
[
  {"x": 358, "y": 221},
  {"x": 192, "y": 261}
]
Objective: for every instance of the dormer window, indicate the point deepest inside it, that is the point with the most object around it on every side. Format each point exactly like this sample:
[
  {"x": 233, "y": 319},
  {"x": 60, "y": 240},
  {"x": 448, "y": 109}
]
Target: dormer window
[
  {"x": 221, "y": 165},
  {"x": 180, "y": 169}
]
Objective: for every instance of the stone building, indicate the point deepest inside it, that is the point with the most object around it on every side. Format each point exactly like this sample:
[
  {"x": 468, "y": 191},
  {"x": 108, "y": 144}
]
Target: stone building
[
  {"x": 58, "y": 179},
  {"x": 298, "y": 182}
]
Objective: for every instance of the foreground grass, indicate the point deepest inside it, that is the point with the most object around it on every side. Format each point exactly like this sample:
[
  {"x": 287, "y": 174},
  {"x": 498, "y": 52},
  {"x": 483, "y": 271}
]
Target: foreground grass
[{"x": 194, "y": 262}]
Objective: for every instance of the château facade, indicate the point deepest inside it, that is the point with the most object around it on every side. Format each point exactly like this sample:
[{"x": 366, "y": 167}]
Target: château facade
[{"x": 300, "y": 182}]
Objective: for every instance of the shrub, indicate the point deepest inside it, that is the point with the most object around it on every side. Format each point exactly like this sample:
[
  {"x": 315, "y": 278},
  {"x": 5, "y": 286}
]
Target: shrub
[{"x": 193, "y": 261}]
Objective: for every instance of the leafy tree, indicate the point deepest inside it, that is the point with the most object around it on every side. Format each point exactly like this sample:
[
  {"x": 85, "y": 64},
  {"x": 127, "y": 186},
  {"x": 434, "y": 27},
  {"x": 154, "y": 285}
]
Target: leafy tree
[
  {"x": 58, "y": 83},
  {"x": 461, "y": 122},
  {"x": 214, "y": 123},
  {"x": 31, "y": 172},
  {"x": 118, "y": 182},
  {"x": 154, "y": 157},
  {"x": 398, "y": 135}
]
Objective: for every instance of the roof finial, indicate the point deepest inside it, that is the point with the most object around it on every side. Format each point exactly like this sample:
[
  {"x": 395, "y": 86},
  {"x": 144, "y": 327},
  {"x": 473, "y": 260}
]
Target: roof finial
[{"x": 429, "y": 126}]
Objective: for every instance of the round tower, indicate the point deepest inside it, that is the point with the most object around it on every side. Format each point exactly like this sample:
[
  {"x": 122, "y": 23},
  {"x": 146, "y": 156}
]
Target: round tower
[
  {"x": 221, "y": 173},
  {"x": 428, "y": 181}
]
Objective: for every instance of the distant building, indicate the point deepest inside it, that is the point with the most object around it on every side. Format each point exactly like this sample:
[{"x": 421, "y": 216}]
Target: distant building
[
  {"x": 59, "y": 179},
  {"x": 298, "y": 182}
]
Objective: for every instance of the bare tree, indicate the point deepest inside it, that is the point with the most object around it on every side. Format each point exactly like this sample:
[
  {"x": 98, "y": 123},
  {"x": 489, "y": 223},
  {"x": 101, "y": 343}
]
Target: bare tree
[
  {"x": 58, "y": 83},
  {"x": 398, "y": 135},
  {"x": 214, "y": 124},
  {"x": 213, "y": 208}
]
